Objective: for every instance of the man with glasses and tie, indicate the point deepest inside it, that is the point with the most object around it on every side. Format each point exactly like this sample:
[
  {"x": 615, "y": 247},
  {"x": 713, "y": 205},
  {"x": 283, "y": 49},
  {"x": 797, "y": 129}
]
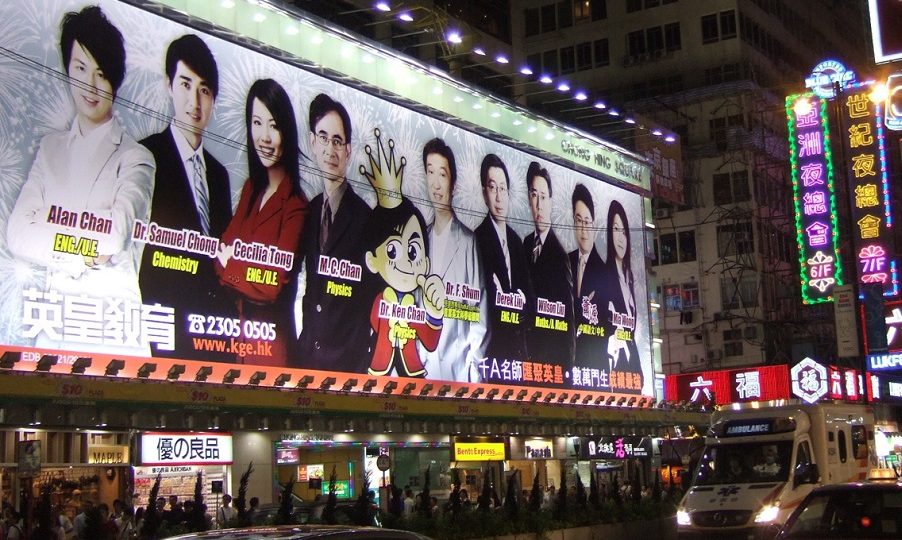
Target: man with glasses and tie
[
  {"x": 335, "y": 325},
  {"x": 588, "y": 283},
  {"x": 551, "y": 338},
  {"x": 192, "y": 192},
  {"x": 504, "y": 268}
]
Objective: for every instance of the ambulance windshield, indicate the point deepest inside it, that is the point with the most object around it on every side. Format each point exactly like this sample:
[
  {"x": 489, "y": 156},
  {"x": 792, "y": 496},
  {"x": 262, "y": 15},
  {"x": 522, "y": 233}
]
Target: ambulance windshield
[{"x": 744, "y": 463}]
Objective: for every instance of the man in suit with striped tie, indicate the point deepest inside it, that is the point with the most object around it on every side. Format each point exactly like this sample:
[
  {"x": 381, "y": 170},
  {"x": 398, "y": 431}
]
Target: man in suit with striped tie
[{"x": 192, "y": 192}]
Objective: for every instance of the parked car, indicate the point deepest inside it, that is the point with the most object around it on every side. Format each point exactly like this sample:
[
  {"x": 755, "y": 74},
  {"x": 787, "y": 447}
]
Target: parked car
[
  {"x": 871, "y": 509},
  {"x": 304, "y": 532}
]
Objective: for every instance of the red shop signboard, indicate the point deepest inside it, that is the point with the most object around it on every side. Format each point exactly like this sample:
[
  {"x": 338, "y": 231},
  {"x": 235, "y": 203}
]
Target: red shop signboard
[{"x": 761, "y": 383}]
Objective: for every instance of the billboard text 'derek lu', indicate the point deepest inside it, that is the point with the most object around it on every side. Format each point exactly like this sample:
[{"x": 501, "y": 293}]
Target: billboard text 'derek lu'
[{"x": 226, "y": 206}]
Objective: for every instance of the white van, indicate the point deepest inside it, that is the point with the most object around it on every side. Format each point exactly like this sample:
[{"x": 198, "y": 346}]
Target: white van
[{"x": 759, "y": 463}]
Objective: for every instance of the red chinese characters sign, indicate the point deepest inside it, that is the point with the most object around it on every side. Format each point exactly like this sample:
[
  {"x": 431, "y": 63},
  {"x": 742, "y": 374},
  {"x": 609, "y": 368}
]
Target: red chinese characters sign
[{"x": 762, "y": 383}]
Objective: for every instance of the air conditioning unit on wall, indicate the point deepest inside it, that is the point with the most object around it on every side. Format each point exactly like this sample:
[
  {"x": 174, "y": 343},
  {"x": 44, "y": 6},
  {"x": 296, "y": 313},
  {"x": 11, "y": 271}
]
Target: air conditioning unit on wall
[
  {"x": 662, "y": 213},
  {"x": 715, "y": 355}
]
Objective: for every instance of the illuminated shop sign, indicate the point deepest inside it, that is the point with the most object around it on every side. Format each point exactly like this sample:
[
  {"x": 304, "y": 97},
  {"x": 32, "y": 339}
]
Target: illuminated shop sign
[
  {"x": 809, "y": 380},
  {"x": 845, "y": 384},
  {"x": 814, "y": 197},
  {"x": 825, "y": 75},
  {"x": 342, "y": 489},
  {"x": 885, "y": 362},
  {"x": 886, "y": 388},
  {"x": 615, "y": 447},
  {"x": 108, "y": 454},
  {"x": 311, "y": 472},
  {"x": 760, "y": 383},
  {"x": 893, "y": 320},
  {"x": 538, "y": 449},
  {"x": 138, "y": 251},
  {"x": 186, "y": 449},
  {"x": 863, "y": 140},
  {"x": 480, "y": 449},
  {"x": 287, "y": 456}
]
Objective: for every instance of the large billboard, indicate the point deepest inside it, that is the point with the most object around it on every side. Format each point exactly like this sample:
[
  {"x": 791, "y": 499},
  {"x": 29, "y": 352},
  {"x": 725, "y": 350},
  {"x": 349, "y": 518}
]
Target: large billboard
[{"x": 229, "y": 206}]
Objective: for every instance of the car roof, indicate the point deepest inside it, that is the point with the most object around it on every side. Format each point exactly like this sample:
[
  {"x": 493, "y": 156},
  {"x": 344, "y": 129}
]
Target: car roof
[
  {"x": 304, "y": 532},
  {"x": 859, "y": 486}
]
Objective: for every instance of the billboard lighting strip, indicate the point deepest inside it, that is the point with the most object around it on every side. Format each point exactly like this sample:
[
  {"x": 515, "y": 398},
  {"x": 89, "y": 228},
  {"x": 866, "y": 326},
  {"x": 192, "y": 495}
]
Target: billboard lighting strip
[{"x": 342, "y": 52}]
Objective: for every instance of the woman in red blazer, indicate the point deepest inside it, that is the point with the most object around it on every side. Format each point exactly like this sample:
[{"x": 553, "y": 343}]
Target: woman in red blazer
[{"x": 257, "y": 256}]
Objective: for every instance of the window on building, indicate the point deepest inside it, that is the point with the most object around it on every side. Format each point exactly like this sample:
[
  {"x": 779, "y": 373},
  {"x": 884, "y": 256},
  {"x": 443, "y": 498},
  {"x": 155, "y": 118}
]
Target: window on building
[
  {"x": 738, "y": 293},
  {"x": 633, "y": 6},
  {"x": 735, "y": 239},
  {"x": 709, "y": 29},
  {"x": 582, "y": 10},
  {"x": 672, "y": 40},
  {"x": 635, "y": 43},
  {"x": 687, "y": 246},
  {"x": 719, "y": 26},
  {"x": 722, "y": 188},
  {"x": 654, "y": 38},
  {"x": 690, "y": 296},
  {"x": 565, "y": 14},
  {"x": 740, "y": 185},
  {"x": 602, "y": 53},
  {"x": 534, "y": 61},
  {"x": 727, "y": 24},
  {"x": 673, "y": 300},
  {"x": 549, "y": 23},
  {"x": 732, "y": 342},
  {"x": 731, "y": 188},
  {"x": 568, "y": 60},
  {"x": 669, "y": 253},
  {"x": 531, "y": 21},
  {"x": 718, "y": 128},
  {"x": 549, "y": 62},
  {"x": 599, "y": 10},
  {"x": 652, "y": 3},
  {"x": 583, "y": 56}
]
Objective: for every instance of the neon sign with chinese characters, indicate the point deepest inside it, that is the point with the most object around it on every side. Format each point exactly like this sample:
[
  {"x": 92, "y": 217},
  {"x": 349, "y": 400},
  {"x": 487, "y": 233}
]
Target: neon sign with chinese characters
[
  {"x": 863, "y": 140},
  {"x": 814, "y": 195},
  {"x": 760, "y": 383}
]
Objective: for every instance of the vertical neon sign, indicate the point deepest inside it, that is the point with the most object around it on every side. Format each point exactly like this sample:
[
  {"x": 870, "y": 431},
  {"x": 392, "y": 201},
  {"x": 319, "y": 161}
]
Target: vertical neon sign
[
  {"x": 864, "y": 144},
  {"x": 814, "y": 196}
]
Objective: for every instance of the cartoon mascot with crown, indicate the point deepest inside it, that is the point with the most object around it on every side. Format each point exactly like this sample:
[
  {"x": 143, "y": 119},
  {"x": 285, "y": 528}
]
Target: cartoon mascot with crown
[{"x": 411, "y": 305}]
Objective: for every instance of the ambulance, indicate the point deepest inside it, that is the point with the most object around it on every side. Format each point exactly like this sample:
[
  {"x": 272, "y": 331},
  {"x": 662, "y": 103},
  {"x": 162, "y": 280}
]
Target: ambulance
[{"x": 759, "y": 463}]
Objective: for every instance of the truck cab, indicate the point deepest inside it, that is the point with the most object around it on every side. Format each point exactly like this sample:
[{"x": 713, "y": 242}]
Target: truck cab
[{"x": 759, "y": 463}]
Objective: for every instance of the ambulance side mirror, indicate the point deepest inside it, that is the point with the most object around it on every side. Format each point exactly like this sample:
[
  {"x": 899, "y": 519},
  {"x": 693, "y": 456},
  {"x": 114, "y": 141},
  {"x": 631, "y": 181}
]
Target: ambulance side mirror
[{"x": 805, "y": 474}]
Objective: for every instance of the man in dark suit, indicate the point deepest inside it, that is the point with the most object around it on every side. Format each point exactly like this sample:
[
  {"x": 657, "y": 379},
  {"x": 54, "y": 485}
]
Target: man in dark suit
[
  {"x": 552, "y": 338},
  {"x": 335, "y": 326},
  {"x": 504, "y": 267},
  {"x": 192, "y": 192},
  {"x": 588, "y": 284}
]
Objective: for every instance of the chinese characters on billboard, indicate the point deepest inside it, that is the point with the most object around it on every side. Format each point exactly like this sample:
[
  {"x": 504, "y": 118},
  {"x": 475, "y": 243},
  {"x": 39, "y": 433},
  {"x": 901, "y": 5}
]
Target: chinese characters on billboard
[
  {"x": 762, "y": 383},
  {"x": 863, "y": 140},
  {"x": 814, "y": 196},
  {"x": 169, "y": 193}
]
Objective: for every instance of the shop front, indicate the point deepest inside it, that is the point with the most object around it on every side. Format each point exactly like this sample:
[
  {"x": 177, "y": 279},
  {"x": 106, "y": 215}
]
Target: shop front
[
  {"x": 361, "y": 462},
  {"x": 619, "y": 458},
  {"x": 179, "y": 460},
  {"x": 888, "y": 445},
  {"x": 533, "y": 457},
  {"x": 76, "y": 467}
]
